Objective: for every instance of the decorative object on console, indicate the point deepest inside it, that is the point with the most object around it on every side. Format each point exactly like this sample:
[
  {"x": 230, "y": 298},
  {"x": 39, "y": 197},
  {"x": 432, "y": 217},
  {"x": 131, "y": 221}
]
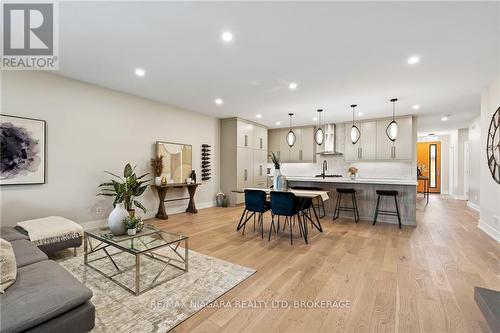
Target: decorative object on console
[
  {"x": 193, "y": 176},
  {"x": 392, "y": 129},
  {"x": 205, "y": 163},
  {"x": 129, "y": 187},
  {"x": 493, "y": 146},
  {"x": 290, "y": 136},
  {"x": 352, "y": 171},
  {"x": 157, "y": 166},
  {"x": 22, "y": 143},
  {"x": 319, "y": 135},
  {"x": 355, "y": 132},
  {"x": 177, "y": 160}
]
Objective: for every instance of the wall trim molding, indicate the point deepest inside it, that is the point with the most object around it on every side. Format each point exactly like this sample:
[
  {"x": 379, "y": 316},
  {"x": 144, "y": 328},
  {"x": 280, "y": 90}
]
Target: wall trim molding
[
  {"x": 149, "y": 215},
  {"x": 489, "y": 230},
  {"x": 473, "y": 206}
]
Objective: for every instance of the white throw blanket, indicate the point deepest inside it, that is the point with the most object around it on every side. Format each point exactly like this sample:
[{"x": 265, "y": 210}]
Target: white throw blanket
[{"x": 51, "y": 229}]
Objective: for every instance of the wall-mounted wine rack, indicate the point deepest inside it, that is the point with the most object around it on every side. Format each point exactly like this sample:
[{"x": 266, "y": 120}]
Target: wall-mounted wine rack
[{"x": 205, "y": 162}]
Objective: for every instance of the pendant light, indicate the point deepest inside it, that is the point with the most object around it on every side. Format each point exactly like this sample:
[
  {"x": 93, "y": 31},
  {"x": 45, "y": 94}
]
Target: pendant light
[
  {"x": 355, "y": 132},
  {"x": 290, "y": 136},
  {"x": 319, "y": 135},
  {"x": 392, "y": 129}
]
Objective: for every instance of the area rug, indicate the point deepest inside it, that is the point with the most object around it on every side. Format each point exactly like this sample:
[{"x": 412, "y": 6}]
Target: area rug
[{"x": 163, "y": 307}]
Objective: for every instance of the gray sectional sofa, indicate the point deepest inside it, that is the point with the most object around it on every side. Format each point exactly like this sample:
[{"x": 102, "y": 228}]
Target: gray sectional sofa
[{"x": 45, "y": 297}]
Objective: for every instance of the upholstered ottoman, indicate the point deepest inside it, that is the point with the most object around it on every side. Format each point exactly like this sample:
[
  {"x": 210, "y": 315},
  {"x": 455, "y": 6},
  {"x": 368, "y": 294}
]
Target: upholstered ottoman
[{"x": 52, "y": 233}]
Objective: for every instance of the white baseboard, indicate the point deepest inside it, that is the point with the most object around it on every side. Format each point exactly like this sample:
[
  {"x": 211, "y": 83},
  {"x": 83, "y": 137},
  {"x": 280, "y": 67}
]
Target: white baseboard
[
  {"x": 473, "y": 206},
  {"x": 172, "y": 210},
  {"x": 489, "y": 230}
]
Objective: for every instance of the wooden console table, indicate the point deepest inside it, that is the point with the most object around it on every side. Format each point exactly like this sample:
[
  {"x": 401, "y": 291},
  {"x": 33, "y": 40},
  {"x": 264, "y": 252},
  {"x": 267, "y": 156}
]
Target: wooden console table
[{"x": 162, "y": 192}]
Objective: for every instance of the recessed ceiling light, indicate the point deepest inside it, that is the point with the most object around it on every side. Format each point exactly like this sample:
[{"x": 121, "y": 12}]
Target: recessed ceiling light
[
  {"x": 292, "y": 85},
  {"x": 360, "y": 113},
  {"x": 416, "y": 107},
  {"x": 227, "y": 36},
  {"x": 445, "y": 118},
  {"x": 413, "y": 60},
  {"x": 259, "y": 116},
  {"x": 278, "y": 123},
  {"x": 315, "y": 119},
  {"x": 140, "y": 72},
  {"x": 219, "y": 101}
]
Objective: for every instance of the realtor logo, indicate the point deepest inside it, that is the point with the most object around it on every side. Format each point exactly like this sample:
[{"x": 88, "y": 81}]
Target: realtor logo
[{"x": 29, "y": 36}]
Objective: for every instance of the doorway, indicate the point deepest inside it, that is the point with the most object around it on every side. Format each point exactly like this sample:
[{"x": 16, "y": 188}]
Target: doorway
[{"x": 429, "y": 161}]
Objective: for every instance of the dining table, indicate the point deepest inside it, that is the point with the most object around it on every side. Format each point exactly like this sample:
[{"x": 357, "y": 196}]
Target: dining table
[{"x": 301, "y": 194}]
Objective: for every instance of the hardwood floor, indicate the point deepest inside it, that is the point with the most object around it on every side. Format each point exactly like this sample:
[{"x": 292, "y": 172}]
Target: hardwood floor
[{"x": 411, "y": 280}]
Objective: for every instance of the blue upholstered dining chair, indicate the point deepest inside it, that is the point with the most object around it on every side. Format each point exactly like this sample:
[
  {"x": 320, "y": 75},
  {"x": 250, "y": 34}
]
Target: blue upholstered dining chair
[
  {"x": 288, "y": 205},
  {"x": 255, "y": 205}
]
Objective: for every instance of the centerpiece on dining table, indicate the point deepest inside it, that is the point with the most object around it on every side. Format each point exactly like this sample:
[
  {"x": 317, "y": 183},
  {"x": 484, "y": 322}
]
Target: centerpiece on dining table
[{"x": 279, "y": 181}]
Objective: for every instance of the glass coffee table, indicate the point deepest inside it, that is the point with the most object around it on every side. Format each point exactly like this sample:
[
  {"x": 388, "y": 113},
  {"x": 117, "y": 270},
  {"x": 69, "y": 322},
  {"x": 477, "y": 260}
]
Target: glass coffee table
[{"x": 121, "y": 262}]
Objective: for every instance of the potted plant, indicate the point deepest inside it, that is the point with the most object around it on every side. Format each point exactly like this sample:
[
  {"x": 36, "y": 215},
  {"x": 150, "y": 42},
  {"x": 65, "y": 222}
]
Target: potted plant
[
  {"x": 352, "y": 171},
  {"x": 278, "y": 179},
  {"x": 131, "y": 224},
  {"x": 125, "y": 190},
  {"x": 157, "y": 166}
]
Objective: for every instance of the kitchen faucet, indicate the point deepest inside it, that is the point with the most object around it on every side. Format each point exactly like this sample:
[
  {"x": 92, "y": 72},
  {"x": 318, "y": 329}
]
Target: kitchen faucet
[{"x": 325, "y": 167}]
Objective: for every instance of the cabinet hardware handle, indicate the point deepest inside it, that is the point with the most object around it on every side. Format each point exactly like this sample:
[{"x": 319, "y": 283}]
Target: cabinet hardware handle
[
  {"x": 261, "y": 143},
  {"x": 246, "y": 140},
  {"x": 260, "y": 170},
  {"x": 246, "y": 178},
  {"x": 361, "y": 152},
  {"x": 300, "y": 154}
]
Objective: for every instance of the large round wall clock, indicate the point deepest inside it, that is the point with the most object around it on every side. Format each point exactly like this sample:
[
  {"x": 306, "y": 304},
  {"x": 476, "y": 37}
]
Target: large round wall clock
[{"x": 493, "y": 146}]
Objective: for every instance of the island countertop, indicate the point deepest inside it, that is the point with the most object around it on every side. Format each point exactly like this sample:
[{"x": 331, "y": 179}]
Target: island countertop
[
  {"x": 366, "y": 195},
  {"x": 359, "y": 180}
]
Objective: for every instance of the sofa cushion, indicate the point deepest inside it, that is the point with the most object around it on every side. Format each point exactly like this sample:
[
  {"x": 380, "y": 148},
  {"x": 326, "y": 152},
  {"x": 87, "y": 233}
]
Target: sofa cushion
[
  {"x": 8, "y": 267},
  {"x": 42, "y": 291},
  {"x": 27, "y": 253},
  {"x": 11, "y": 234}
]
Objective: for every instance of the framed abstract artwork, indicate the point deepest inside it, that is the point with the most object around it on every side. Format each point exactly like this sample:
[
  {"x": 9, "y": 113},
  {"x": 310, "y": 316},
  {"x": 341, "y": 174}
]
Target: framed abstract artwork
[
  {"x": 177, "y": 160},
  {"x": 22, "y": 150}
]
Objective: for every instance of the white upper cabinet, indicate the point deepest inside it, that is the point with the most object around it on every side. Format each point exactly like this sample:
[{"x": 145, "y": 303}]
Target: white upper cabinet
[
  {"x": 307, "y": 152},
  {"x": 374, "y": 143},
  {"x": 403, "y": 147},
  {"x": 260, "y": 138},
  {"x": 366, "y": 147},
  {"x": 368, "y": 139},
  {"x": 304, "y": 149},
  {"x": 245, "y": 134}
]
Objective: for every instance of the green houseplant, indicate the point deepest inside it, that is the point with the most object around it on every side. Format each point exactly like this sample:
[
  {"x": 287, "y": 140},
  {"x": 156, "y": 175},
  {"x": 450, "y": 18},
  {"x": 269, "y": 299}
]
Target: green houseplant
[
  {"x": 125, "y": 189},
  {"x": 131, "y": 224}
]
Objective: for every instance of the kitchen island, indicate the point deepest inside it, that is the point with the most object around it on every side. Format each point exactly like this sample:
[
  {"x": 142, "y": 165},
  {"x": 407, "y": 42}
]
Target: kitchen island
[{"x": 366, "y": 196}]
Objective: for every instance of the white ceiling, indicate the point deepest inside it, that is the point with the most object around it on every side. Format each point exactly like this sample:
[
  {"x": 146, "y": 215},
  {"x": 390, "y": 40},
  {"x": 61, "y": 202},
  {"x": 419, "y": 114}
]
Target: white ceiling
[{"x": 339, "y": 53}]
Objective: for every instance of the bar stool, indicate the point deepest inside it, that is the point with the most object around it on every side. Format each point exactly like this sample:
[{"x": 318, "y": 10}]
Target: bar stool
[
  {"x": 387, "y": 193},
  {"x": 339, "y": 208}
]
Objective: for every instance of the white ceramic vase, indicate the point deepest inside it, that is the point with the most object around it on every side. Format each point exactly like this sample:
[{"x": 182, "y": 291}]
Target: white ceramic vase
[
  {"x": 158, "y": 181},
  {"x": 115, "y": 220}
]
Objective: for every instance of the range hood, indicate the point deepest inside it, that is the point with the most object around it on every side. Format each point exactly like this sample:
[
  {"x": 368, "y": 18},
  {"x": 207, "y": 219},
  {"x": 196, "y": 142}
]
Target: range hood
[{"x": 330, "y": 144}]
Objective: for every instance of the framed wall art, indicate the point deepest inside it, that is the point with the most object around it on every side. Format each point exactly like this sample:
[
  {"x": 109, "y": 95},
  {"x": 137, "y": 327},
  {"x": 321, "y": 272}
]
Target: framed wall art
[{"x": 22, "y": 150}]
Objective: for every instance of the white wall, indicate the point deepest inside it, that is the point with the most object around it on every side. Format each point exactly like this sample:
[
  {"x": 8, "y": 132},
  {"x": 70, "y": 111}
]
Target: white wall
[
  {"x": 475, "y": 160},
  {"x": 463, "y": 139},
  {"x": 91, "y": 129},
  {"x": 490, "y": 190}
]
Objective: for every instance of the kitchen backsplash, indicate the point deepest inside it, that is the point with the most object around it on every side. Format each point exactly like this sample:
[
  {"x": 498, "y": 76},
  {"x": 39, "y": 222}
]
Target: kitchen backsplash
[{"x": 337, "y": 165}]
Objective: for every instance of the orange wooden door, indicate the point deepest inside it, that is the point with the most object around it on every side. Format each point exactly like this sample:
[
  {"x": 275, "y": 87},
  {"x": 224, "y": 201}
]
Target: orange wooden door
[{"x": 429, "y": 159}]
